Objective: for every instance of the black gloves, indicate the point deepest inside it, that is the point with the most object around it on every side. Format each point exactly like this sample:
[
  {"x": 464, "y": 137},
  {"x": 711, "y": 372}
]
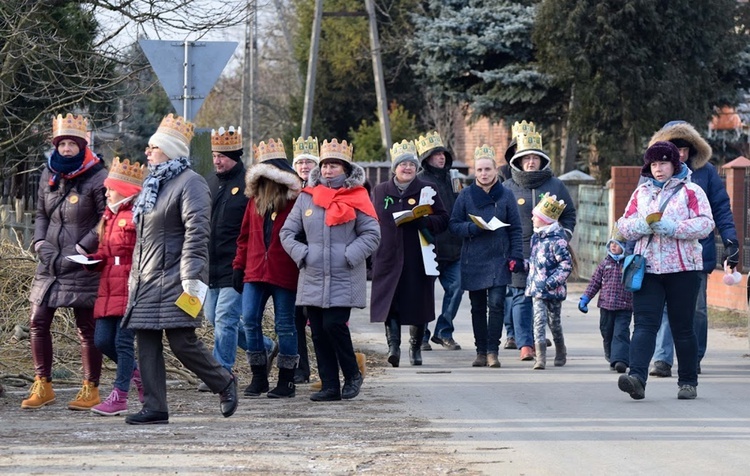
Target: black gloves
[
  {"x": 731, "y": 253},
  {"x": 238, "y": 276}
]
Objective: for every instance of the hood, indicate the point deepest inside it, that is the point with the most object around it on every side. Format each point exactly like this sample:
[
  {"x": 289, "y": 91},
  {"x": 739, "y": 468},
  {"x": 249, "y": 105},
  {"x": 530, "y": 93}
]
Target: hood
[
  {"x": 515, "y": 162},
  {"x": 448, "y": 156},
  {"x": 700, "y": 152},
  {"x": 275, "y": 174},
  {"x": 355, "y": 179}
]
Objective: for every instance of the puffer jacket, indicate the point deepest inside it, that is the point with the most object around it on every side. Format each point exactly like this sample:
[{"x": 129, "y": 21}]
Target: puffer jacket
[
  {"x": 171, "y": 246},
  {"x": 550, "y": 264},
  {"x": 689, "y": 209},
  {"x": 65, "y": 217},
  {"x": 332, "y": 258}
]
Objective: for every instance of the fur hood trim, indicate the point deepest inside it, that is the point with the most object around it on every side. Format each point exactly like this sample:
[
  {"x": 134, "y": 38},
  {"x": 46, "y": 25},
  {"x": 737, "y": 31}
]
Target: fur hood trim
[
  {"x": 275, "y": 174},
  {"x": 355, "y": 179},
  {"x": 682, "y": 130}
]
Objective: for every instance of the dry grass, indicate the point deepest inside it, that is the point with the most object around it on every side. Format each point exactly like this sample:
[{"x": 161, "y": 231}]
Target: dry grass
[{"x": 735, "y": 322}]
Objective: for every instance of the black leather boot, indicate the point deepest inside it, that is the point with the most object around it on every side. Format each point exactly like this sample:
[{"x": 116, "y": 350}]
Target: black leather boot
[
  {"x": 393, "y": 336},
  {"x": 285, "y": 388},
  {"x": 415, "y": 344}
]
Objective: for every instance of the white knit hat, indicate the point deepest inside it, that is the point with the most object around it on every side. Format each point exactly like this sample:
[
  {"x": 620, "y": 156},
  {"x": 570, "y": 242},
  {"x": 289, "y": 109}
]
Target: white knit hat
[{"x": 173, "y": 136}]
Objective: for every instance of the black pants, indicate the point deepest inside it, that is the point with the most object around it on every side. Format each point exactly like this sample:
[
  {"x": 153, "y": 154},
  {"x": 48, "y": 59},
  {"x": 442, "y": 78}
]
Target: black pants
[
  {"x": 300, "y": 322},
  {"x": 333, "y": 344}
]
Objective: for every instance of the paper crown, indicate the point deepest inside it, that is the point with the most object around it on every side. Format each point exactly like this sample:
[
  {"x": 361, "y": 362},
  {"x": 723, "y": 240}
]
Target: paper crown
[
  {"x": 226, "y": 140},
  {"x": 522, "y": 127},
  {"x": 127, "y": 172},
  {"x": 307, "y": 146},
  {"x": 274, "y": 149},
  {"x": 530, "y": 141},
  {"x": 428, "y": 142},
  {"x": 616, "y": 235},
  {"x": 404, "y": 148},
  {"x": 336, "y": 150},
  {"x": 549, "y": 208},
  {"x": 484, "y": 151},
  {"x": 69, "y": 125},
  {"x": 177, "y": 127}
]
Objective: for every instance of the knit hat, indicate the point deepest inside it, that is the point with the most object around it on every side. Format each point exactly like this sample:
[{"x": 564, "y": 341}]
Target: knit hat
[
  {"x": 661, "y": 151},
  {"x": 227, "y": 142},
  {"x": 173, "y": 136},
  {"x": 125, "y": 178},
  {"x": 305, "y": 149},
  {"x": 70, "y": 127},
  {"x": 405, "y": 151}
]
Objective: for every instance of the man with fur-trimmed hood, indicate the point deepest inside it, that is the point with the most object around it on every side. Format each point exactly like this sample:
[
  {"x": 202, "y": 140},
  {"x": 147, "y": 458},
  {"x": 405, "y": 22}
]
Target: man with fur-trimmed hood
[{"x": 696, "y": 153}]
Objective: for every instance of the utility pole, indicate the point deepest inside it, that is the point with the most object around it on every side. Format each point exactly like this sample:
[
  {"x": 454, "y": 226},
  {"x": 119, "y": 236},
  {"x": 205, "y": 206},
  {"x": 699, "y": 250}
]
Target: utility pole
[
  {"x": 312, "y": 67},
  {"x": 247, "y": 121},
  {"x": 377, "y": 68}
]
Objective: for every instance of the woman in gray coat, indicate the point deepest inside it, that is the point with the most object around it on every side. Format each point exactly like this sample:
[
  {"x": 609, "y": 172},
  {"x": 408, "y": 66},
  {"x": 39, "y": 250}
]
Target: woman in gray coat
[
  {"x": 329, "y": 233},
  {"x": 171, "y": 216}
]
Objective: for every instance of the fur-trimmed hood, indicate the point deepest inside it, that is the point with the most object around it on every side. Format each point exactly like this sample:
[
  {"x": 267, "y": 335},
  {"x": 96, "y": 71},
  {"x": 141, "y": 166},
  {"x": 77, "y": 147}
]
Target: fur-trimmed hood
[
  {"x": 355, "y": 179},
  {"x": 700, "y": 152},
  {"x": 275, "y": 174}
]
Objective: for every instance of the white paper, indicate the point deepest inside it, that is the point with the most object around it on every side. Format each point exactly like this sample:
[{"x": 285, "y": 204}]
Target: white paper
[
  {"x": 493, "y": 224},
  {"x": 82, "y": 259}
]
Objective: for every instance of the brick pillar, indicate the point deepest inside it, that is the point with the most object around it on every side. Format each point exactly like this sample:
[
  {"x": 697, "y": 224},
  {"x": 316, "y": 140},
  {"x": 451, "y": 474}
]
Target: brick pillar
[
  {"x": 623, "y": 183},
  {"x": 735, "y": 173}
]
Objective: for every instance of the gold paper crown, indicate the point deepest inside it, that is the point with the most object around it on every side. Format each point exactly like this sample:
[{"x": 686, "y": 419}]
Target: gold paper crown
[
  {"x": 177, "y": 127},
  {"x": 404, "y": 148},
  {"x": 550, "y": 207},
  {"x": 530, "y": 141},
  {"x": 274, "y": 149},
  {"x": 616, "y": 235},
  {"x": 226, "y": 140},
  {"x": 522, "y": 127},
  {"x": 484, "y": 152},
  {"x": 127, "y": 172},
  {"x": 307, "y": 146},
  {"x": 428, "y": 142},
  {"x": 336, "y": 150},
  {"x": 69, "y": 125}
]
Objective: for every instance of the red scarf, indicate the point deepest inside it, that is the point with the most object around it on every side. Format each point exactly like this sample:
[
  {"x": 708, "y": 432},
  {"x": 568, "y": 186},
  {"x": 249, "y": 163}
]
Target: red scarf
[{"x": 341, "y": 204}]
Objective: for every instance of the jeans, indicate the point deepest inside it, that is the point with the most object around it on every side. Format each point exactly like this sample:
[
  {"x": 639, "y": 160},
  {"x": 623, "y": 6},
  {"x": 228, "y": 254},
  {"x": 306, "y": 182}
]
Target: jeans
[
  {"x": 679, "y": 291},
  {"x": 119, "y": 345},
  {"x": 615, "y": 329},
  {"x": 664, "y": 342},
  {"x": 223, "y": 308},
  {"x": 254, "y": 298},
  {"x": 522, "y": 315},
  {"x": 450, "y": 279},
  {"x": 488, "y": 326}
]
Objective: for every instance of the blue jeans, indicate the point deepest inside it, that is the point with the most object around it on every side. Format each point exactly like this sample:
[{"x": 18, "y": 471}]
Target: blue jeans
[
  {"x": 615, "y": 329},
  {"x": 664, "y": 342},
  {"x": 522, "y": 315},
  {"x": 450, "y": 279},
  {"x": 488, "y": 326},
  {"x": 117, "y": 344},
  {"x": 679, "y": 291},
  {"x": 254, "y": 298}
]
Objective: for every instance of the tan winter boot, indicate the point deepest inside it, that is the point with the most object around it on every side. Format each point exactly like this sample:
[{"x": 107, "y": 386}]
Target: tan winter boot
[
  {"x": 41, "y": 394},
  {"x": 541, "y": 356},
  {"x": 361, "y": 362},
  {"x": 492, "y": 360},
  {"x": 88, "y": 397},
  {"x": 561, "y": 353}
]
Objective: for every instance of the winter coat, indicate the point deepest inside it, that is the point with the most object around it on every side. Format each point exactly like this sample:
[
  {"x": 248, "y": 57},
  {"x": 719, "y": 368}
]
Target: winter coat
[
  {"x": 398, "y": 276},
  {"x": 447, "y": 244},
  {"x": 550, "y": 264},
  {"x": 331, "y": 259},
  {"x": 689, "y": 209},
  {"x": 171, "y": 246},
  {"x": 607, "y": 281},
  {"x": 260, "y": 253},
  {"x": 65, "y": 217},
  {"x": 228, "y": 205},
  {"x": 485, "y": 254},
  {"x": 115, "y": 251}
]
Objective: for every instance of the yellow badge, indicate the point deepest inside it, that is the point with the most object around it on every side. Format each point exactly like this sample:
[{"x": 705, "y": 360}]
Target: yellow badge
[
  {"x": 121, "y": 223},
  {"x": 235, "y": 190},
  {"x": 308, "y": 212},
  {"x": 521, "y": 201},
  {"x": 73, "y": 199},
  {"x": 273, "y": 216},
  {"x": 411, "y": 201}
]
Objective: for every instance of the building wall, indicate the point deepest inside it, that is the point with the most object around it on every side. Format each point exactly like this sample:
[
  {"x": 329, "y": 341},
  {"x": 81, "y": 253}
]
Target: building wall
[{"x": 467, "y": 137}]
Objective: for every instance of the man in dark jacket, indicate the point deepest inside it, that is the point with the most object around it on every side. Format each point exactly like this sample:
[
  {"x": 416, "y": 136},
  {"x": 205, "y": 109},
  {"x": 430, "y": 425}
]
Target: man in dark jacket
[
  {"x": 436, "y": 163},
  {"x": 696, "y": 153}
]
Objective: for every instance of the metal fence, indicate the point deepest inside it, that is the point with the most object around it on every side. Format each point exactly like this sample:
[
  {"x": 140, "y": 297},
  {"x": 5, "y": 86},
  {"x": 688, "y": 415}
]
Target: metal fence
[{"x": 592, "y": 228}]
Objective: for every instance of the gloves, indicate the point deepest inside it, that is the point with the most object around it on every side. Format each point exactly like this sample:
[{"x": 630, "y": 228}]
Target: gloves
[
  {"x": 238, "y": 277},
  {"x": 731, "y": 253},
  {"x": 81, "y": 250},
  {"x": 515, "y": 265},
  {"x": 194, "y": 287},
  {"x": 665, "y": 227},
  {"x": 583, "y": 304}
]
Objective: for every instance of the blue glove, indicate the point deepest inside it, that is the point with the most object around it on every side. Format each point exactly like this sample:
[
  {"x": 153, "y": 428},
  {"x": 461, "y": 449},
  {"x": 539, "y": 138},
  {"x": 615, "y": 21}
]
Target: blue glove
[
  {"x": 583, "y": 304},
  {"x": 665, "y": 226}
]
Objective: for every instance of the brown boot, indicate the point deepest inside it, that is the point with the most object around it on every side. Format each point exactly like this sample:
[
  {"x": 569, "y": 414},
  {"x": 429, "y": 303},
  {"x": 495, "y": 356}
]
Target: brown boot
[
  {"x": 88, "y": 397},
  {"x": 480, "y": 361},
  {"x": 541, "y": 356},
  {"x": 492, "y": 360},
  {"x": 41, "y": 394},
  {"x": 361, "y": 363}
]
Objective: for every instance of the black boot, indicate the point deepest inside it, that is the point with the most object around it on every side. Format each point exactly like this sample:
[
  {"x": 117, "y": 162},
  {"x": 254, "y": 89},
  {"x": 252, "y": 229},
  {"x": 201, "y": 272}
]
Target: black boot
[
  {"x": 415, "y": 344},
  {"x": 393, "y": 336},
  {"x": 259, "y": 365},
  {"x": 285, "y": 388}
]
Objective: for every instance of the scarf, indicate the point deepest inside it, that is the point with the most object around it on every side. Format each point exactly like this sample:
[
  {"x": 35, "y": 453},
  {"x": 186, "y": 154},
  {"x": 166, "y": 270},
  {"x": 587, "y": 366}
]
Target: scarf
[
  {"x": 616, "y": 257},
  {"x": 402, "y": 186},
  {"x": 531, "y": 179},
  {"x": 341, "y": 204},
  {"x": 157, "y": 174},
  {"x": 70, "y": 167}
]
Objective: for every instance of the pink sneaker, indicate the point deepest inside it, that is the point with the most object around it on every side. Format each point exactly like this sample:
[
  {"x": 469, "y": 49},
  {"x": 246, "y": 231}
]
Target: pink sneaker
[
  {"x": 138, "y": 383},
  {"x": 115, "y": 404}
]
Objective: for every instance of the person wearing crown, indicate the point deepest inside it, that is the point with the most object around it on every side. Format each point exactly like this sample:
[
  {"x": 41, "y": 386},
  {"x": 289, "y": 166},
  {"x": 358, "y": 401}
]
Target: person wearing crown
[
  {"x": 488, "y": 257},
  {"x": 70, "y": 204},
  {"x": 436, "y": 162},
  {"x": 172, "y": 217},
  {"x": 114, "y": 258},
  {"x": 531, "y": 178},
  {"x": 550, "y": 265},
  {"x": 402, "y": 293},
  {"x": 330, "y": 232},
  {"x": 263, "y": 270}
]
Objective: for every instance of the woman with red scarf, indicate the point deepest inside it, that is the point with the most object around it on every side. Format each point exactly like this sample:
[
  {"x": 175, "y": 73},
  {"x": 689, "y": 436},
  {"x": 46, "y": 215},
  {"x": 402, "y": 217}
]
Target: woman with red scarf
[
  {"x": 69, "y": 206},
  {"x": 329, "y": 233}
]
